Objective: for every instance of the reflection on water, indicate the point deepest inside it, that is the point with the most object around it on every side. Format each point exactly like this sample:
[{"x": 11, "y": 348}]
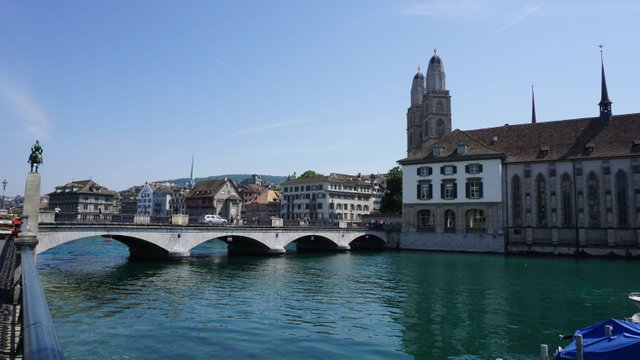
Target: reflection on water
[{"x": 365, "y": 305}]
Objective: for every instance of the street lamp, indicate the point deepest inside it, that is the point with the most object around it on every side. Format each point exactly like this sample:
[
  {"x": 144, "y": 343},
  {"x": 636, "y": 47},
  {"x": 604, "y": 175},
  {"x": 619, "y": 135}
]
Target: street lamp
[{"x": 4, "y": 186}]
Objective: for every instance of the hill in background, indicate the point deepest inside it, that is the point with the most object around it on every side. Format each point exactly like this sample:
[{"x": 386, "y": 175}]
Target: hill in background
[{"x": 237, "y": 178}]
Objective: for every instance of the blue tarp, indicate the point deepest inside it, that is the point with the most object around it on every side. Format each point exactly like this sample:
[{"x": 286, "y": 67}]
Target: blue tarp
[{"x": 624, "y": 342}]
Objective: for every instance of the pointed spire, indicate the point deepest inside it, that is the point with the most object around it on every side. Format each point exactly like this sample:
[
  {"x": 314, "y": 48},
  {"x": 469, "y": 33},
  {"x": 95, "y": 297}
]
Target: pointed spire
[
  {"x": 533, "y": 106},
  {"x": 605, "y": 103},
  {"x": 192, "y": 180}
]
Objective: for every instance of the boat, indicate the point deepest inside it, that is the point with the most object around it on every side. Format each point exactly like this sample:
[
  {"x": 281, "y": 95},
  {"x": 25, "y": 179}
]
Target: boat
[
  {"x": 610, "y": 339},
  {"x": 623, "y": 343},
  {"x": 635, "y": 298}
]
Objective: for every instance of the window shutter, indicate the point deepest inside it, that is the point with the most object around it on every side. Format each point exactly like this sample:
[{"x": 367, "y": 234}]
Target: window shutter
[
  {"x": 418, "y": 191},
  {"x": 442, "y": 190},
  {"x": 418, "y": 171},
  {"x": 481, "y": 183},
  {"x": 441, "y": 170},
  {"x": 466, "y": 169},
  {"x": 430, "y": 191},
  {"x": 455, "y": 190},
  {"x": 468, "y": 190},
  {"x": 480, "y": 167},
  {"x": 454, "y": 168},
  {"x": 430, "y": 172}
]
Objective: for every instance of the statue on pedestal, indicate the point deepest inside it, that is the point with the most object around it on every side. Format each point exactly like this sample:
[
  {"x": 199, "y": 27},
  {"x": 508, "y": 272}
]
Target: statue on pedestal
[{"x": 35, "y": 159}]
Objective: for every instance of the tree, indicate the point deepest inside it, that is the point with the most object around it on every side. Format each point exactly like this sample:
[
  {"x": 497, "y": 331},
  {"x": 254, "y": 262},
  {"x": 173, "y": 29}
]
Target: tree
[
  {"x": 309, "y": 174},
  {"x": 392, "y": 197}
]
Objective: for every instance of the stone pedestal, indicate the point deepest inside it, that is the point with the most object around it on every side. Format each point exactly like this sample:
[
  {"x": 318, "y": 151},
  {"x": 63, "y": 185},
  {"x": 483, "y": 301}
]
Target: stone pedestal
[
  {"x": 32, "y": 202},
  {"x": 177, "y": 219}
]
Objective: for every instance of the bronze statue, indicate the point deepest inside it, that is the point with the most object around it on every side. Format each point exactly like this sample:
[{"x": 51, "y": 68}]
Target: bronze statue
[{"x": 35, "y": 159}]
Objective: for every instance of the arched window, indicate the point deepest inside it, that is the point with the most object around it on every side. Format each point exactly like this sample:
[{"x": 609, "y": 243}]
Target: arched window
[
  {"x": 566, "y": 192},
  {"x": 593, "y": 199},
  {"x": 440, "y": 128},
  {"x": 476, "y": 221},
  {"x": 425, "y": 221},
  {"x": 516, "y": 202},
  {"x": 541, "y": 200},
  {"x": 449, "y": 221},
  {"x": 621, "y": 198},
  {"x": 439, "y": 107}
]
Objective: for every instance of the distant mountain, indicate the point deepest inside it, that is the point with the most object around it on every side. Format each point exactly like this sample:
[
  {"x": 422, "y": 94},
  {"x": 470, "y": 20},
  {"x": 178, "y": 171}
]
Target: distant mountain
[{"x": 237, "y": 178}]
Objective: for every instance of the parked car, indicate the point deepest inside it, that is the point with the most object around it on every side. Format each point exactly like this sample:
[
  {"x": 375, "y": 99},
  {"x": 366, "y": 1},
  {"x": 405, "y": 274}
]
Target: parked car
[{"x": 212, "y": 219}]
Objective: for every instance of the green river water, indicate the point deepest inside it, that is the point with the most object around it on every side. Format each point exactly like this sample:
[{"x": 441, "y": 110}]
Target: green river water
[{"x": 356, "y": 305}]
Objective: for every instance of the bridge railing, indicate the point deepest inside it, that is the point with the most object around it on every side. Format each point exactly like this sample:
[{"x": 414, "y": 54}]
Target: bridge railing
[{"x": 40, "y": 340}]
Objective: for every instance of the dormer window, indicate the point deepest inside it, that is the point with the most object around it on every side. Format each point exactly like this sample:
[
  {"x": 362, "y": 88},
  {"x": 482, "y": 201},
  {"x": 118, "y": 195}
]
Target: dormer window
[
  {"x": 462, "y": 148},
  {"x": 437, "y": 150},
  {"x": 589, "y": 147},
  {"x": 544, "y": 149}
]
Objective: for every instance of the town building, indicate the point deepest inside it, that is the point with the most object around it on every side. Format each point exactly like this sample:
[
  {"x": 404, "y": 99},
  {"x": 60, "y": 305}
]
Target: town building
[
  {"x": 379, "y": 182},
  {"x": 327, "y": 198},
  {"x": 83, "y": 200},
  {"x": 218, "y": 197},
  {"x": 145, "y": 199},
  {"x": 559, "y": 187},
  {"x": 162, "y": 200},
  {"x": 265, "y": 205}
]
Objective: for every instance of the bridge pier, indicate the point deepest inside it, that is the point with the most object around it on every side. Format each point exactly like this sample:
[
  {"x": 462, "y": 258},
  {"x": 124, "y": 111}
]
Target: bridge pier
[
  {"x": 178, "y": 254},
  {"x": 277, "y": 251}
]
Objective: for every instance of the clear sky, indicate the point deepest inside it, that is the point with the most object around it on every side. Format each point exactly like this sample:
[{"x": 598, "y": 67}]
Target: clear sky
[{"x": 125, "y": 92}]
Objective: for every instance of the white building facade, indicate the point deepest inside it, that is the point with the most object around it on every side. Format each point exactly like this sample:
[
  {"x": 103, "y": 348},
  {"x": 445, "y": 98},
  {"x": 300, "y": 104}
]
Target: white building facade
[{"x": 327, "y": 198}]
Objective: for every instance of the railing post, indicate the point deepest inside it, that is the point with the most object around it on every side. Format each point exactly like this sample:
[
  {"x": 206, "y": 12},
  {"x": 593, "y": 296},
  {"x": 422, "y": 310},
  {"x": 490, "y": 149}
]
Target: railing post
[
  {"x": 608, "y": 330},
  {"x": 544, "y": 352},
  {"x": 579, "y": 347},
  {"x": 40, "y": 340}
]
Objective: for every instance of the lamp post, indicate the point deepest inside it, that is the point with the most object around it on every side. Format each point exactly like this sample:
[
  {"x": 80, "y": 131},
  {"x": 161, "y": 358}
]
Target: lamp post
[{"x": 4, "y": 186}]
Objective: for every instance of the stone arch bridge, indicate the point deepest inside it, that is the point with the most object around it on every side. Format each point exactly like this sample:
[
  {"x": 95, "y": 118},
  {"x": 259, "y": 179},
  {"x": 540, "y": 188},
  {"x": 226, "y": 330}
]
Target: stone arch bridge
[{"x": 173, "y": 241}]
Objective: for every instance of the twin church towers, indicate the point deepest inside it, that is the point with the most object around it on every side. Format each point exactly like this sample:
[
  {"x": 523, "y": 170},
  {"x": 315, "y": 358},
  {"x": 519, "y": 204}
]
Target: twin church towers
[{"x": 429, "y": 117}]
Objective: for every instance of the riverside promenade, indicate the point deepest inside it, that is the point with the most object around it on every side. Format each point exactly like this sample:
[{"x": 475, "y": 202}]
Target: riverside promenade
[{"x": 9, "y": 301}]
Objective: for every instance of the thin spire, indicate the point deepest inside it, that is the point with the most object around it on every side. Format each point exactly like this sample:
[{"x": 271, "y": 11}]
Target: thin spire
[
  {"x": 192, "y": 180},
  {"x": 533, "y": 106},
  {"x": 605, "y": 103}
]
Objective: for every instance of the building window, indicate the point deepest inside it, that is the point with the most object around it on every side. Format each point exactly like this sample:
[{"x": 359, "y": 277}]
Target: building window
[
  {"x": 621, "y": 198},
  {"x": 541, "y": 200},
  {"x": 425, "y": 221},
  {"x": 425, "y": 190},
  {"x": 439, "y": 107},
  {"x": 516, "y": 194},
  {"x": 476, "y": 221},
  {"x": 448, "y": 170},
  {"x": 437, "y": 150},
  {"x": 473, "y": 168},
  {"x": 474, "y": 189},
  {"x": 565, "y": 200},
  {"x": 449, "y": 221},
  {"x": 424, "y": 171},
  {"x": 462, "y": 148},
  {"x": 440, "y": 128},
  {"x": 593, "y": 199},
  {"x": 448, "y": 190}
]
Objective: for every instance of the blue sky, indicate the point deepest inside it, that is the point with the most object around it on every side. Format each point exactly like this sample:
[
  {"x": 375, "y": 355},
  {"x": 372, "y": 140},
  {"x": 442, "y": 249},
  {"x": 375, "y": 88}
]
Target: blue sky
[{"x": 125, "y": 92}]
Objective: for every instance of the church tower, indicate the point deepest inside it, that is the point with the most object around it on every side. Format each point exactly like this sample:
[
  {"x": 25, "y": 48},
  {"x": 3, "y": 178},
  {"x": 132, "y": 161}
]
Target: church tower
[{"x": 429, "y": 116}]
